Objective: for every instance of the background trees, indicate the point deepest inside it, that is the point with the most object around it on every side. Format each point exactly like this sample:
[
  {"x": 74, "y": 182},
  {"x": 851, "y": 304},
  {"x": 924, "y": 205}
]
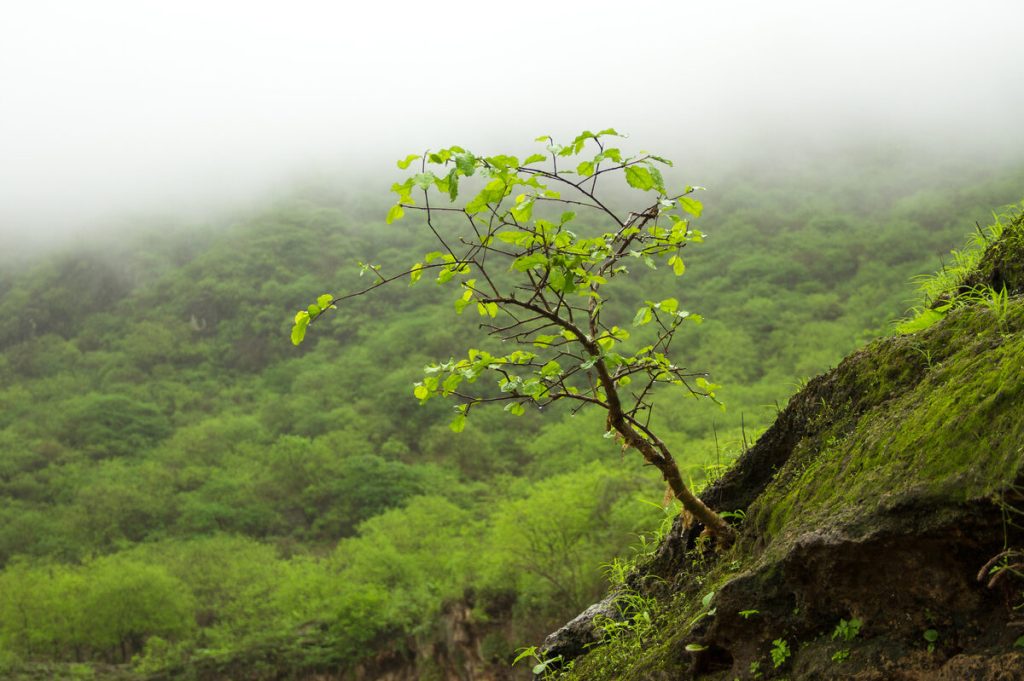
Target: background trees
[{"x": 201, "y": 498}]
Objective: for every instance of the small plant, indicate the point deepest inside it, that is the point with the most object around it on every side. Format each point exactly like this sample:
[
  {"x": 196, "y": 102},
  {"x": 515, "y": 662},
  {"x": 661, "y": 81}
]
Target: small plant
[
  {"x": 755, "y": 670},
  {"x": 840, "y": 656},
  {"x": 634, "y": 623},
  {"x": 941, "y": 291},
  {"x": 747, "y": 614},
  {"x": 543, "y": 667},
  {"x": 780, "y": 652},
  {"x": 847, "y": 630},
  {"x": 926, "y": 354},
  {"x": 539, "y": 277},
  {"x": 996, "y": 302},
  {"x": 708, "y": 611},
  {"x": 617, "y": 570},
  {"x": 931, "y": 636}
]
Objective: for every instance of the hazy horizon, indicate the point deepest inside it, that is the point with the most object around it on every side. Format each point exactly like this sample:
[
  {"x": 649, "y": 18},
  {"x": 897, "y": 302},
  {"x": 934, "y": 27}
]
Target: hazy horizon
[{"x": 117, "y": 108}]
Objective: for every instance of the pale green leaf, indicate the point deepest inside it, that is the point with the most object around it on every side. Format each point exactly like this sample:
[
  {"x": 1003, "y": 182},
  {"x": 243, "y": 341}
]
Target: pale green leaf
[
  {"x": 396, "y": 213},
  {"x": 691, "y": 206},
  {"x": 404, "y": 163}
]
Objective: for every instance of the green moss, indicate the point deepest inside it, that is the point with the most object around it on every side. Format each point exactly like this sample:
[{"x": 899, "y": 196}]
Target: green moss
[
  {"x": 899, "y": 437},
  {"x": 953, "y": 434},
  {"x": 676, "y": 623}
]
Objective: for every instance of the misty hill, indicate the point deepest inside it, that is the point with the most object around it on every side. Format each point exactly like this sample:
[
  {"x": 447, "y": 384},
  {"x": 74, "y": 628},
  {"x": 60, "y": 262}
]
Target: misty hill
[
  {"x": 879, "y": 519},
  {"x": 181, "y": 489}
]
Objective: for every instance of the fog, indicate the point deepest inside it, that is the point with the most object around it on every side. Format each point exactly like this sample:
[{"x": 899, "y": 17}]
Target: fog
[{"x": 112, "y": 108}]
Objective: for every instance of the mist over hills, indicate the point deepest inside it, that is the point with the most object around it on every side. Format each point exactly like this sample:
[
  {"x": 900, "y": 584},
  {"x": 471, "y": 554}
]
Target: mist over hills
[{"x": 155, "y": 417}]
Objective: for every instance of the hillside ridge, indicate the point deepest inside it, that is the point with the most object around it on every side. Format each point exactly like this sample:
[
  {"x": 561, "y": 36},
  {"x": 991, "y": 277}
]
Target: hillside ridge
[{"x": 879, "y": 494}]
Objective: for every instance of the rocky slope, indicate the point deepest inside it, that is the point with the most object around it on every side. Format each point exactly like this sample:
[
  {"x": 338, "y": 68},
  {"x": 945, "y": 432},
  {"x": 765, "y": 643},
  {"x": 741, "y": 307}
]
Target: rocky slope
[{"x": 878, "y": 520}]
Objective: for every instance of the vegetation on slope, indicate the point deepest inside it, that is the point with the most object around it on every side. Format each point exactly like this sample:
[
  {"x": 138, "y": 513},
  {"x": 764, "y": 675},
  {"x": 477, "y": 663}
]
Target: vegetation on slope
[
  {"x": 181, "y": 488},
  {"x": 869, "y": 509}
]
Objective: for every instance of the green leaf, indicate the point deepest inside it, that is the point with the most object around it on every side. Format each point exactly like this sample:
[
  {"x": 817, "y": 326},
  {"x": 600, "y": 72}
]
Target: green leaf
[
  {"x": 659, "y": 181},
  {"x": 314, "y": 310},
  {"x": 404, "y": 163},
  {"x": 608, "y": 131},
  {"x": 415, "y": 273},
  {"x": 611, "y": 155},
  {"x": 493, "y": 192},
  {"x": 466, "y": 163},
  {"x": 396, "y": 213},
  {"x": 534, "y": 158},
  {"x": 299, "y": 329},
  {"x": 517, "y": 237},
  {"x": 639, "y": 177},
  {"x": 643, "y": 316},
  {"x": 325, "y": 301},
  {"x": 677, "y": 264},
  {"x": 550, "y": 369},
  {"x": 695, "y": 647},
  {"x": 527, "y": 262},
  {"x": 669, "y": 305},
  {"x": 691, "y": 206},
  {"x": 586, "y": 168},
  {"x": 523, "y": 209},
  {"x": 451, "y": 383},
  {"x": 458, "y": 423},
  {"x": 423, "y": 180},
  {"x": 502, "y": 161},
  {"x": 453, "y": 184},
  {"x": 556, "y": 279},
  {"x": 515, "y": 408},
  {"x": 421, "y": 392}
]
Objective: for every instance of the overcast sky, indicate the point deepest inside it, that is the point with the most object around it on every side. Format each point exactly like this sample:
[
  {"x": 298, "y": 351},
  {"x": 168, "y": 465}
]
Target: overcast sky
[{"x": 113, "y": 106}]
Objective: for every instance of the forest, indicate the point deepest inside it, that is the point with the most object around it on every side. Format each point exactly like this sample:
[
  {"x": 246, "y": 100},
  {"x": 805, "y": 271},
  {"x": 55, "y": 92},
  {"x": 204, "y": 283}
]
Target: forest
[{"x": 182, "y": 487}]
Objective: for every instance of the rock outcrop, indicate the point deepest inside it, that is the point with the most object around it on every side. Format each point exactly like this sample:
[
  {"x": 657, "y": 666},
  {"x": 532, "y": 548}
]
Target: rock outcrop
[{"x": 871, "y": 513}]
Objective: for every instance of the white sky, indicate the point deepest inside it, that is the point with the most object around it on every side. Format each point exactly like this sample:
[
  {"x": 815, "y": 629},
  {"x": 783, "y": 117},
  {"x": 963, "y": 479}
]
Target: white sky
[{"x": 110, "y": 106}]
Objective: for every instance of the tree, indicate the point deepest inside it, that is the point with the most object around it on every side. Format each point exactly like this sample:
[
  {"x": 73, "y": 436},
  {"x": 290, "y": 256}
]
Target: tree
[{"x": 539, "y": 275}]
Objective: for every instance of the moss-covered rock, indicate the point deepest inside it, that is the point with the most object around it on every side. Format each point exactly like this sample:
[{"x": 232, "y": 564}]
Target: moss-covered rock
[{"x": 877, "y": 496}]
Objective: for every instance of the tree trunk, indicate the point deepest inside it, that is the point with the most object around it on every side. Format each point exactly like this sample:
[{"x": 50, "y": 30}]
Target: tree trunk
[{"x": 715, "y": 524}]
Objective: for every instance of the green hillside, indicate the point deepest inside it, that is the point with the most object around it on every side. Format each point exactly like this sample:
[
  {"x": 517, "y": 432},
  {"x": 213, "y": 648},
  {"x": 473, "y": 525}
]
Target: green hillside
[
  {"x": 183, "y": 492},
  {"x": 879, "y": 532}
]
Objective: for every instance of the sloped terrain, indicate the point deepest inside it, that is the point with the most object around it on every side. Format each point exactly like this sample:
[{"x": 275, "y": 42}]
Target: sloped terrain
[{"x": 877, "y": 522}]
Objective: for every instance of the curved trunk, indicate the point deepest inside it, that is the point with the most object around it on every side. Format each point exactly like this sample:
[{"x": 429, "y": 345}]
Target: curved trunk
[{"x": 664, "y": 462}]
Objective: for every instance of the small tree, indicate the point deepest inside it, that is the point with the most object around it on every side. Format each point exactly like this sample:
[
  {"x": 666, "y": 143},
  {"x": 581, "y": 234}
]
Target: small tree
[{"x": 539, "y": 276}]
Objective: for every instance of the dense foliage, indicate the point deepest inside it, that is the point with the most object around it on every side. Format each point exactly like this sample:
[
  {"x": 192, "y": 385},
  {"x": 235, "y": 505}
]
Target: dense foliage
[
  {"x": 177, "y": 482},
  {"x": 544, "y": 283}
]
